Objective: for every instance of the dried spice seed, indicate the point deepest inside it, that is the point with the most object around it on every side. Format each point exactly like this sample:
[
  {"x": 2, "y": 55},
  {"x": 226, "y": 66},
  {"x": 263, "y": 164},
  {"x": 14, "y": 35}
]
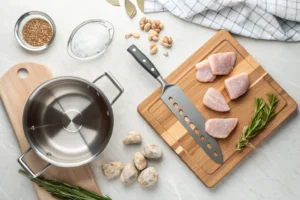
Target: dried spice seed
[{"x": 37, "y": 32}]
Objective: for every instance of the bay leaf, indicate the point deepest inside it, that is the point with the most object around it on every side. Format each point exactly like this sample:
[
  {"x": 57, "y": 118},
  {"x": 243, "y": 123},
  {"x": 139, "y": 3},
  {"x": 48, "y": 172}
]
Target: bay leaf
[
  {"x": 114, "y": 2},
  {"x": 140, "y": 4},
  {"x": 130, "y": 8}
]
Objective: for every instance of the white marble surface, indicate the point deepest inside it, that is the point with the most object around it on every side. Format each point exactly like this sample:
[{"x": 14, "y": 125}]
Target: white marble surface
[{"x": 272, "y": 171}]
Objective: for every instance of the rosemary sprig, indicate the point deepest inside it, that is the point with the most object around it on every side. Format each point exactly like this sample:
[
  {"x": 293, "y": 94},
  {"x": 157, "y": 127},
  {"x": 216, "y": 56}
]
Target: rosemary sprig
[
  {"x": 64, "y": 191},
  {"x": 263, "y": 113}
]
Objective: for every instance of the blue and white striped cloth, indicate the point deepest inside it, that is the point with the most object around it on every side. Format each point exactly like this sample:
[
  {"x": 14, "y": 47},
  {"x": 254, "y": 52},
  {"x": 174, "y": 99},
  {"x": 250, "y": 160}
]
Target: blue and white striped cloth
[{"x": 260, "y": 19}]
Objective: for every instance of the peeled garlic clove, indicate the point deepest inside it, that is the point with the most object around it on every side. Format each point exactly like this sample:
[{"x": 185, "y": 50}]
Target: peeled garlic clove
[
  {"x": 161, "y": 26},
  {"x": 166, "y": 54},
  {"x": 148, "y": 177},
  {"x": 143, "y": 20},
  {"x": 153, "y": 33},
  {"x": 112, "y": 169},
  {"x": 152, "y": 151},
  {"x": 147, "y": 27},
  {"x": 139, "y": 161},
  {"x": 128, "y": 35},
  {"x": 136, "y": 35},
  {"x": 165, "y": 40},
  {"x": 153, "y": 26},
  {"x": 155, "y": 38},
  {"x": 133, "y": 137},
  {"x": 129, "y": 174},
  {"x": 166, "y": 45},
  {"x": 153, "y": 49}
]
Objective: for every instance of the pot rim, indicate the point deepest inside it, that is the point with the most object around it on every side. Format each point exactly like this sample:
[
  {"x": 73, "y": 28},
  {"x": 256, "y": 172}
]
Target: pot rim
[{"x": 24, "y": 120}]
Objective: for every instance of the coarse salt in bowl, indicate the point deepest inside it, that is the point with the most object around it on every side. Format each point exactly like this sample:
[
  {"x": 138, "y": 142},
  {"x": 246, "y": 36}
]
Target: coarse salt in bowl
[{"x": 90, "y": 39}]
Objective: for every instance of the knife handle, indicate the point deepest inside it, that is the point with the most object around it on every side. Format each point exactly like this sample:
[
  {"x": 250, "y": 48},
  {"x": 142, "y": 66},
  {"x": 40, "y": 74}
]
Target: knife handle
[{"x": 143, "y": 60}]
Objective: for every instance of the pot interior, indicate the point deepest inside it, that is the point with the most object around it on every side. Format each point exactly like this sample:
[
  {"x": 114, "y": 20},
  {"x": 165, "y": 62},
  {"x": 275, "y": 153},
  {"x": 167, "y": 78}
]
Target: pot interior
[{"x": 68, "y": 121}]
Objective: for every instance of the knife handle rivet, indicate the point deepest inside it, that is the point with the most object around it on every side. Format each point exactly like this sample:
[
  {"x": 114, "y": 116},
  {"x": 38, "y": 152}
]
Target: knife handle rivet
[
  {"x": 134, "y": 49},
  {"x": 152, "y": 69},
  {"x": 144, "y": 60}
]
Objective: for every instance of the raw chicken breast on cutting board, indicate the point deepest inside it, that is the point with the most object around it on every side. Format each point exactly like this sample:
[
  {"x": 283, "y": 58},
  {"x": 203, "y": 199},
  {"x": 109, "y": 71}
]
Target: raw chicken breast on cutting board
[
  {"x": 220, "y": 128},
  {"x": 204, "y": 73},
  {"x": 222, "y": 63},
  {"x": 214, "y": 100},
  {"x": 237, "y": 85}
]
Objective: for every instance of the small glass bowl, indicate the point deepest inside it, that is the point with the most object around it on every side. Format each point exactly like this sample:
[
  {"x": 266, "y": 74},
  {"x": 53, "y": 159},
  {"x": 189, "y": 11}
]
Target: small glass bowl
[
  {"x": 110, "y": 33},
  {"x": 23, "y": 20}
]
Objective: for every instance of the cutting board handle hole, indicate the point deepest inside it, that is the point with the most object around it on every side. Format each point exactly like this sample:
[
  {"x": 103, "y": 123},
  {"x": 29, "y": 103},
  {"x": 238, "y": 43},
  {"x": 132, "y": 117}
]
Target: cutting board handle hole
[{"x": 23, "y": 73}]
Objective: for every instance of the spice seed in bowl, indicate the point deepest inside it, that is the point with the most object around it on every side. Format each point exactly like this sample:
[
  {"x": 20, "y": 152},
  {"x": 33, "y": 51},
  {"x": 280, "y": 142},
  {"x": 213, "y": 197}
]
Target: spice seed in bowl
[{"x": 37, "y": 32}]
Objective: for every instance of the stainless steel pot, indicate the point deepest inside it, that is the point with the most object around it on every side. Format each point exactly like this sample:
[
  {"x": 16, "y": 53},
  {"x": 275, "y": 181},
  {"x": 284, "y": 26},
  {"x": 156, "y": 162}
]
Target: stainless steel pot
[{"x": 68, "y": 121}]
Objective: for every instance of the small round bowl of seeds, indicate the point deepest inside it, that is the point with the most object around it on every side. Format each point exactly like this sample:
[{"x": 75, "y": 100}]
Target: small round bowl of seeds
[{"x": 35, "y": 31}]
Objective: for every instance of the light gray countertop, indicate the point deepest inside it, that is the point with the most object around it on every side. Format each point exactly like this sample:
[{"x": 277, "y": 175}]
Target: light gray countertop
[{"x": 272, "y": 171}]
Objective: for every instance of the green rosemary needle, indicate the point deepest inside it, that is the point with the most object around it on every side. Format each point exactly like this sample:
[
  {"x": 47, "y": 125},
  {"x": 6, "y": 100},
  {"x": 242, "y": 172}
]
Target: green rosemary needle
[
  {"x": 263, "y": 113},
  {"x": 64, "y": 191}
]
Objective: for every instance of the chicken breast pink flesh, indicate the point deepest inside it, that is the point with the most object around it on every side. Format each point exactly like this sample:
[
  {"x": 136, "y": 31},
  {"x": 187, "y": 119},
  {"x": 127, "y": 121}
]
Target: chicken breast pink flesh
[
  {"x": 222, "y": 63},
  {"x": 220, "y": 128},
  {"x": 214, "y": 100},
  {"x": 204, "y": 73},
  {"x": 237, "y": 85}
]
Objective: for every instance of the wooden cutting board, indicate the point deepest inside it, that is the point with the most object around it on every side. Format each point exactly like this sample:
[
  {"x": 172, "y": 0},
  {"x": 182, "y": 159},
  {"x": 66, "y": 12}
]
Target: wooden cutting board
[
  {"x": 176, "y": 136},
  {"x": 14, "y": 92}
]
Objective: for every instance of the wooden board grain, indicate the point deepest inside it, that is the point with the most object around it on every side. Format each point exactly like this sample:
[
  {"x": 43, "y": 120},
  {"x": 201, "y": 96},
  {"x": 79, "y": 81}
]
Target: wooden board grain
[
  {"x": 14, "y": 92},
  {"x": 176, "y": 136}
]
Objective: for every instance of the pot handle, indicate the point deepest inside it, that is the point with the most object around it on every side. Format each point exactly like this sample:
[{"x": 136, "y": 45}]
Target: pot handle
[
  {"x": 115, "y": 82},
  {"x": 26, "y": 167}
]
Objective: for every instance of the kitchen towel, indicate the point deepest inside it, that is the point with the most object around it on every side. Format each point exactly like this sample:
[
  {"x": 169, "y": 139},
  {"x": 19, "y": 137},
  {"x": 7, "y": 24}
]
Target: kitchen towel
[{"x": 260, "y": 19}]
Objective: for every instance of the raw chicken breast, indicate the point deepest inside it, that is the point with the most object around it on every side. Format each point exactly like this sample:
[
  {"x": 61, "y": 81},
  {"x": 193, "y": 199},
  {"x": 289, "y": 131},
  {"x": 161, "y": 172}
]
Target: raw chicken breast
[
  {"x": 204, "y": 73},
  {"x": 220, "y": 128},
  {"x": 237, "y": 85},
  {"x": 214, "y": 100},
  {"x": 222, "y": 63}
]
